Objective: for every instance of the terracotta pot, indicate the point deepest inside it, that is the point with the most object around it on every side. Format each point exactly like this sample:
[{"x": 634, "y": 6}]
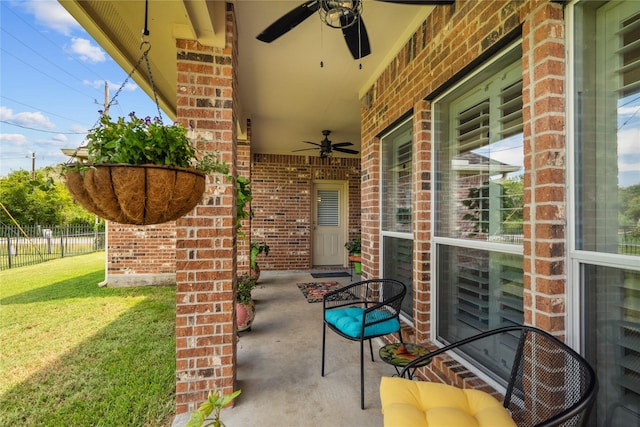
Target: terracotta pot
[
  {"x": 245, "y": 313},
  {"x": 137, "y": 194},
  {"x": 254, "y": 273}
]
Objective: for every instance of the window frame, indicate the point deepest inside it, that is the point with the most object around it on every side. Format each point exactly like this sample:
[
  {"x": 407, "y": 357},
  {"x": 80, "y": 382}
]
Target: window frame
[
  {"x": 404, "y": 235},
  {"x": 510, "y": 54}
]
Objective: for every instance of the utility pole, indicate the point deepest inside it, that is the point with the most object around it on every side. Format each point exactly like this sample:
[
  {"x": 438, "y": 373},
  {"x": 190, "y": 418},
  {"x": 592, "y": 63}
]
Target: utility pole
[
  {"x": 33, "y": 165},
  {"x": 106, "y": 98}
]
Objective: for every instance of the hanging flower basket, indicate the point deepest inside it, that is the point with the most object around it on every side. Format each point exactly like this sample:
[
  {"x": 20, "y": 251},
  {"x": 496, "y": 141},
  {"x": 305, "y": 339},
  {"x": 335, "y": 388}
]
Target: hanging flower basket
[
  {"x": 137, "y": 194},
  {"x": 140, "y": 171}
]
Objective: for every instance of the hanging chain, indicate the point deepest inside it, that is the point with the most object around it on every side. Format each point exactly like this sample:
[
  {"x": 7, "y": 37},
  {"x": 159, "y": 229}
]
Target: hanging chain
[
  {"x": 133, "y": 70},
  {"x": 153, "y": 86},
  {"x": 145, "y": 56}
]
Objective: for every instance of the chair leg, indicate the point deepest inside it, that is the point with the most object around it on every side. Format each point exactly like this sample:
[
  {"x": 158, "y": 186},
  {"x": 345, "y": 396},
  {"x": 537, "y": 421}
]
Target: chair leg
[
  {"x": 371, "y": 350},
  {"x": 362, "y": 374},
  {"x": 324, "y": 338}
]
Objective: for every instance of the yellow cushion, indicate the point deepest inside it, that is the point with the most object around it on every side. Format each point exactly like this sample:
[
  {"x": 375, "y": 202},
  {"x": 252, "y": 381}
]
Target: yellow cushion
[{"x": 407, "y": 403}]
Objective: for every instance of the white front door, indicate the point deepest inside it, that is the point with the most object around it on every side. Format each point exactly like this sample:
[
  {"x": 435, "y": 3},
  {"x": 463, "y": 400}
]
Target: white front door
[{"x": 329, "y": 223}]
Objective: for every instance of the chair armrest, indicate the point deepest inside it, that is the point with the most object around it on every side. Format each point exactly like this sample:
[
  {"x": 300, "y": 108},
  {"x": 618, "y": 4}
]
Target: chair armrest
[
  {"x": 413, "y": 364},
  {"x": 345, "y": 296}
]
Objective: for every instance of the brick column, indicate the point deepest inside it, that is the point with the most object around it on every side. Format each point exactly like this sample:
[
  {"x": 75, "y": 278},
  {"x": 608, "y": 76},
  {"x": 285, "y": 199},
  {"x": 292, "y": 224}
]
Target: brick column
[
  {"x": 205, "y": 248},
  {"x": 543, "y": 97},
  {"x": 244, "y": 169},
  {"x": 422, "y": 219}
]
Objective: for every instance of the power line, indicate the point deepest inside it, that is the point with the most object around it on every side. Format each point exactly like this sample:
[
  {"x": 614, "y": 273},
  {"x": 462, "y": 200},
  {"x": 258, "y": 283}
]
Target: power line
[
  {"x": 42, "y": 130},
  {"x": 38, "y": 54},
  {"x": 36, "y": 31},
  {"x": 45, "y": 74},
  {"x": 37, "y": 109}
]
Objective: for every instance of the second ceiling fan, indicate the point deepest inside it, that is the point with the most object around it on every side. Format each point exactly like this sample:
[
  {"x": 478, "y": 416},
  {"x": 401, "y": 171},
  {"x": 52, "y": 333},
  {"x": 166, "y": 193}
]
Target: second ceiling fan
[
  {"x": 343, "y": 14},
  {"x": 327, "y": 147}
]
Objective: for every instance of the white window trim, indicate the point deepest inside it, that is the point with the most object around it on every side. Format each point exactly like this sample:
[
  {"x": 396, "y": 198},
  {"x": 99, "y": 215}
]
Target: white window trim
[
  {"x": 576, "y": 258},
  {"x": 435, "y": 240},
  {"x": 573, "y": 314},
  {"x": 401, "y": 235}
]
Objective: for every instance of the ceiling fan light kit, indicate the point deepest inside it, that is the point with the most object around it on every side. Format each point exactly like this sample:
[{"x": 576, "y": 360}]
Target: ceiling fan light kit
[
  {"x": 341, "y": 14},
  {"x": 327, "y": 147}
]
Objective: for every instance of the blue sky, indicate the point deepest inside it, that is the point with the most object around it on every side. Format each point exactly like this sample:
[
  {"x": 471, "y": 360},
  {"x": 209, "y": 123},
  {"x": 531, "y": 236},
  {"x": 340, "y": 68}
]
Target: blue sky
[{"x": 52, "y": 78}]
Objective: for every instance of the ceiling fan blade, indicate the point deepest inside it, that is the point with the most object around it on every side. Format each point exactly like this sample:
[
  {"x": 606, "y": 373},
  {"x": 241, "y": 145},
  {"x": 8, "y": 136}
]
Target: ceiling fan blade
[
  {"x": 313, "y": 143},
  {"x": 345, "y": 150},
  {"x": 288, "y": 21},
  {"x": 422, "y": 2},
  {"x": 343, "y": 144},
  {"x": 357, "y": 39},
  {"x": 305, "y": 149}
]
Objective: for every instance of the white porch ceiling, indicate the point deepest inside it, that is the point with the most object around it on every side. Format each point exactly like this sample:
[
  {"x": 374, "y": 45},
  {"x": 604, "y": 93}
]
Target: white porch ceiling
[{"x": 282, "y": 88}]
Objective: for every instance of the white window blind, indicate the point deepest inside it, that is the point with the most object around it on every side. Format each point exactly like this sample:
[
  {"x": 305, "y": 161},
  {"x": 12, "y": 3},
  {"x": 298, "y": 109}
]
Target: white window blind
[{"x": 328, "y": 208}]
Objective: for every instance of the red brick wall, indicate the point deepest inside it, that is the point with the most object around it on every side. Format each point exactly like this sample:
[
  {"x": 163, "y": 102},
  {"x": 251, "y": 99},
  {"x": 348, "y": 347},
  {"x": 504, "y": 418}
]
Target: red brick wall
[
  {"x": 439, "y": 52},
  {"x": 244, "y": 170},
  {"x": 282, "y": 186},
  {"x": 206, "y": 246},
  {"x": 140, "y": 255},
  {"x": 544, "y": 159}
]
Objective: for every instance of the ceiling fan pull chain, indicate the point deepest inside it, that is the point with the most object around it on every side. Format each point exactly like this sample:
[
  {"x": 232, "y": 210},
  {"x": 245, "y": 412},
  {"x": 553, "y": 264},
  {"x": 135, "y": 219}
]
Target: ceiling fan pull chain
[
  {"x": 359, "y": 45},
  {"x": 145, "y": 30},
  {"x": 321, "y": 45}
]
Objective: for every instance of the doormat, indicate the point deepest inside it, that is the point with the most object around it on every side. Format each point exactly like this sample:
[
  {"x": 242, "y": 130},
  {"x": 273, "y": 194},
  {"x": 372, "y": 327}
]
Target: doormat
[
  {"x": 314, "y": 292},
  {"x": 321, "y": 275}
]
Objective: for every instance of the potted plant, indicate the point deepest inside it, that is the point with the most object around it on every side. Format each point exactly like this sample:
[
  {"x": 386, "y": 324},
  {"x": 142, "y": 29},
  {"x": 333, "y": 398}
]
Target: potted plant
[
  {"x": 256, "y": 249},
  {"x": 214, "y": 403},
  {"x": 354, "y": 247},
  {"x": 140, "y": 171},
  {"x": 245, "y": 306}
]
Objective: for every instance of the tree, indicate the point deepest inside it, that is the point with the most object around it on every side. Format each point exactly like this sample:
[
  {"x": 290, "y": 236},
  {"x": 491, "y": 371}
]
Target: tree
[
  {"x": 44, "y": 200},
  {"x": 630, "y": 205}
]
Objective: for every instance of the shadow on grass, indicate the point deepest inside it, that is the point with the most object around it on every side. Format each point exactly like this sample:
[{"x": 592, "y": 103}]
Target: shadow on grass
[
  {"x": 76, "y": 287},
  {"x": 124, "y": 375}
]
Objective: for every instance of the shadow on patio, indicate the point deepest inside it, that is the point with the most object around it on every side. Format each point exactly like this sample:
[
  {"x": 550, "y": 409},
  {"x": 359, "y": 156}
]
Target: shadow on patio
[{"x": 279, "y": 365}]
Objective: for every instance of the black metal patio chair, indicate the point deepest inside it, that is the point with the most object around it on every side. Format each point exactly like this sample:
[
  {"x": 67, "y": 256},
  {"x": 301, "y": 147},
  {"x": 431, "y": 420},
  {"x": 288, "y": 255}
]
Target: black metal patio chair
[
  {"x": 549, "y": 383},
  {"x": 362, "y": 311}
]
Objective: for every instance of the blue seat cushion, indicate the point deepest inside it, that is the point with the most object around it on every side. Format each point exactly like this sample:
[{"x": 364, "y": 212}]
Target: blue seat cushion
[{"x": 349, "y": 322}]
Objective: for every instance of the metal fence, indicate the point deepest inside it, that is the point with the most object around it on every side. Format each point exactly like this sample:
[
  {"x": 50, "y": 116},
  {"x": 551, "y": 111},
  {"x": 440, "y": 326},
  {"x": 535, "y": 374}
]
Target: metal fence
[
  {"x": 20, "y": 246},
  {"x": 629, "y": 241}
]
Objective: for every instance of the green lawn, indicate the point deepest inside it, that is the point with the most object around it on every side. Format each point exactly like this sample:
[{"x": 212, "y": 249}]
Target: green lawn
[{"x": 74, "y": 354}]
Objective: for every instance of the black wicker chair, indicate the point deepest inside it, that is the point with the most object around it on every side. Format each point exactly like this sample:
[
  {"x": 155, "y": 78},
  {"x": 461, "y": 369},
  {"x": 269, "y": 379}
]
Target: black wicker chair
[
  {"x": 550, "y": 384},
  {"x": 362, "y": 311}
]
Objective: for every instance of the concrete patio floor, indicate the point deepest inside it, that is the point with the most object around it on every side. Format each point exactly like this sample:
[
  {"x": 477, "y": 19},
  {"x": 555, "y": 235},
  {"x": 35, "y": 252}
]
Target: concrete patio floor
[{"x": 279, "y": 364}]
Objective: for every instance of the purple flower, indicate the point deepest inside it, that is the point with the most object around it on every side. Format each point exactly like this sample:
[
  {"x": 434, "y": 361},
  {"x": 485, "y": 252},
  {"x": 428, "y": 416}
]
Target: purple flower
[
  {"x": 132, "y": 114},
  {"x": 147, "y": 120}
]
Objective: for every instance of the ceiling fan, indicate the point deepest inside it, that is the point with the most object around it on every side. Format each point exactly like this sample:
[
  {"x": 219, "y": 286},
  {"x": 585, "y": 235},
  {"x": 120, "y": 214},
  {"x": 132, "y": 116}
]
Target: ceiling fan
[
  {"x": 326, "y": 146},
  {"x": 343, "y": 14}
]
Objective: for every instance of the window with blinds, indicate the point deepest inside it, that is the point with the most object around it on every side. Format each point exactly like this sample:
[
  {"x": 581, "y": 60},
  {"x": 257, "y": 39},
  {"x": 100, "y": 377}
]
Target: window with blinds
[
  {"x": 607, "y": 175},
  {"x": 480, "y": 197},
  {"x": 487, "y": 171},
  {"x": 328, "y": 206},
  {"x": 396, "y": 226}
]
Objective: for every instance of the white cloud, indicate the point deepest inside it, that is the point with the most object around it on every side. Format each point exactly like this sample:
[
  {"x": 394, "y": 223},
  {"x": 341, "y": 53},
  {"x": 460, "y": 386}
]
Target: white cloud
[
  {"x": 628, "y": 110},
  {"x": 97, "y": 84},
  {"x": 52, "y": 15},
  {"x": 60, "y": 138},
  {"x": 628, "y": 141},
  {"x": 86, "y": 51},
  {"x": 78, "y": 128},
  {"x": 29, "y": 119},
  {"x": 13, "y": 139}
]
